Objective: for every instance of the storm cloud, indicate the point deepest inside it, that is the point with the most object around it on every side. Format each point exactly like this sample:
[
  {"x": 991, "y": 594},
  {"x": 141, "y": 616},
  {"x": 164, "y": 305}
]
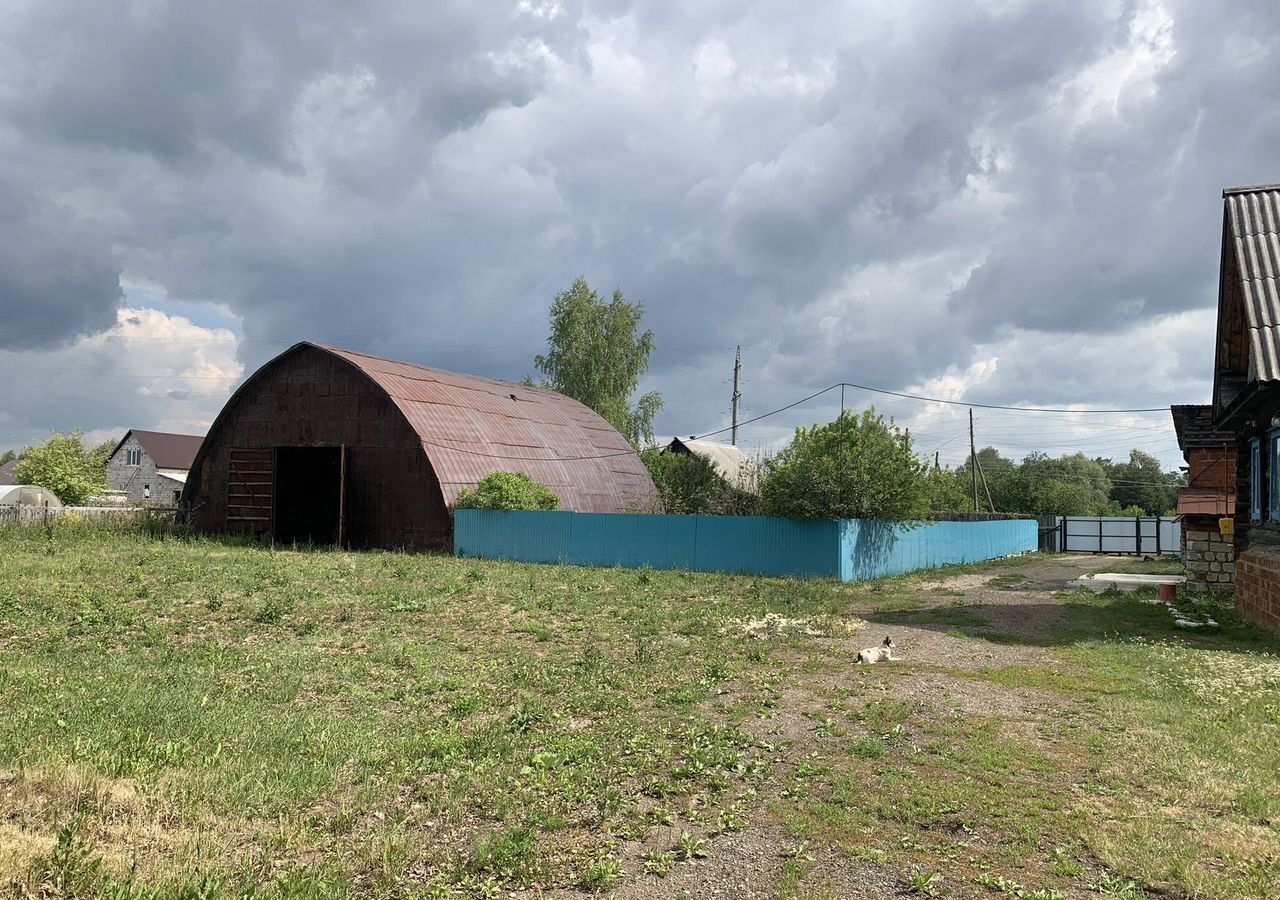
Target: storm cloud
[{"x": 978, "y": 199}]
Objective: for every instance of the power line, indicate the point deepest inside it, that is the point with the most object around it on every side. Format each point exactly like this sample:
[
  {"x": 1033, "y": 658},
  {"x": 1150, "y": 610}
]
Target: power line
[{"x": 1036, "y": 409}]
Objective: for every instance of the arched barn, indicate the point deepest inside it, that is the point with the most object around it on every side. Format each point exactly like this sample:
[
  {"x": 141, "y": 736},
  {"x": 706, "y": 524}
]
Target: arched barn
[{"x": 332, "y": 446}]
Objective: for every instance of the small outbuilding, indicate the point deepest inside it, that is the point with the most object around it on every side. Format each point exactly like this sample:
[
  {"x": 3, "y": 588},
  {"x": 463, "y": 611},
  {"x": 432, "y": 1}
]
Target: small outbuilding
[
  {"x": 732, "y": 464},
  {"x": 333, "y": 446}
]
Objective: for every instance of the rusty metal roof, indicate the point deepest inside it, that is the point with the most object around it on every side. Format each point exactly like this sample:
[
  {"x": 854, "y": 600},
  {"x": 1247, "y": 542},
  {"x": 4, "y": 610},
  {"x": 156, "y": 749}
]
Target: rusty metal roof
[
  {"x": 167, "y": 451},
  {"x": 1253, "y": 232},
  {"x": 471, "y": 426},
  {"x": 1206, "y": 502}
]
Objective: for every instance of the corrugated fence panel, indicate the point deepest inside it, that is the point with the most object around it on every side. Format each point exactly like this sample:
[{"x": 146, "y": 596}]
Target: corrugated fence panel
[
  {"x": 745, "y": 545},
  {"x": 875, "y": 550}
]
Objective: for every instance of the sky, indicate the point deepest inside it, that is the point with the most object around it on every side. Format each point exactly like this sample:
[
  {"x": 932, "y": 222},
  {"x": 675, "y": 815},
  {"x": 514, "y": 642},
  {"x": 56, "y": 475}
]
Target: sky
[{"x": 1003, "y": 202}]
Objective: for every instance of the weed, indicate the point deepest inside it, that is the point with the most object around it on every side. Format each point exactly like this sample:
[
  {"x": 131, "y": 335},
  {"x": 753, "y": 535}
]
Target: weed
[
  {"x": 692, "y": 847},
  {"x": 659, "y": 862},
  {"x": 601, "y": 875},
  {"x": 922, "y": 881}
]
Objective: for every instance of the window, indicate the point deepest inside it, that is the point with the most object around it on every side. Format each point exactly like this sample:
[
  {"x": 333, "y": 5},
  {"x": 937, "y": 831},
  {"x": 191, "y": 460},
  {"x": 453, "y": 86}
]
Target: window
[
  {"x": 146, "y": 491},
  {"x": 177, "y": 495},
  {"x": 133, "y": 457},
  {"x": 1273, "y": 460},
  {"x": 1255, "y": 480}
]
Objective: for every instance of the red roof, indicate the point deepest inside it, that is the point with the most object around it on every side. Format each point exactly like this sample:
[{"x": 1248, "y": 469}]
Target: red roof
[
  {"x": 167, "y": 451},
  {"x": 1206, "y": 502},
  {"x": 471, "y": 426}
]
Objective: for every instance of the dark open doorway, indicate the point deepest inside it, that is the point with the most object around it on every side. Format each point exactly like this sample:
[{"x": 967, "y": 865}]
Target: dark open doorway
[{"x": 308, "y": 495}]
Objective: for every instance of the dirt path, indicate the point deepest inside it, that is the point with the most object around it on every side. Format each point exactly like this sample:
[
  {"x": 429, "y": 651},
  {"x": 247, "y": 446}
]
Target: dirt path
[{"x": 945, "y": 632}]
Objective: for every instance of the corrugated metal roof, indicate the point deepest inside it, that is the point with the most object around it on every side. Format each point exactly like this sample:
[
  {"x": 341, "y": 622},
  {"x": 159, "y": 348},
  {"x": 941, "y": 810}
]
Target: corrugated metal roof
[
  {"x": 167, "y": 451},
  {"x": 733, "y": 465},
  {"x": 471, "y": 426},
  {"x": 1253, "y": 220}
]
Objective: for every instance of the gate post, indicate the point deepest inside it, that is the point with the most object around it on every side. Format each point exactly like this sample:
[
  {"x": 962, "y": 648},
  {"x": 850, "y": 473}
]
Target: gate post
[
  {"x": 1137, "y": 527},
  {"x": 1158, "y": 551}
]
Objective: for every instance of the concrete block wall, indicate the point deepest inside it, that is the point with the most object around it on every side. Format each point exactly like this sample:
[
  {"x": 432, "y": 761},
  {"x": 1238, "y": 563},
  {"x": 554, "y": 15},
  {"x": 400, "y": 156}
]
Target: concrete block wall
[
  {"x": 1258, "y": 588},
  {"x": 1210, "y": 556}
]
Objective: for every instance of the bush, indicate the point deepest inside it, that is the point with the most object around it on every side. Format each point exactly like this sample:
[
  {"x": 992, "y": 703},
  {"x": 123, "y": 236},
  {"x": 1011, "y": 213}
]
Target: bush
[
  {"x": 508, "y": 490},
  {"x": 690, "y": 485},
  {"x": 857, "y": 467}
]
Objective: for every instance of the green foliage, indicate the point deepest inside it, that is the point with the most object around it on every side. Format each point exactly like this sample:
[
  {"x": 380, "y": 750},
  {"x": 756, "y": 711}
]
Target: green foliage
[
  {"x": 1140, "y": 484},
  {"x": 596, "y": 355},
  {"x": 7, "y": 456},
  {"x": 1071, "y": 485},
  {"x": 948, "y": 492},
  {"x": 689, "y": 484},
  {"x": 100, "y": 455},
  {"x": 508, "y": 490},
  {"x": 857, "y": 467},
  {"x": 64, "y": 466}
]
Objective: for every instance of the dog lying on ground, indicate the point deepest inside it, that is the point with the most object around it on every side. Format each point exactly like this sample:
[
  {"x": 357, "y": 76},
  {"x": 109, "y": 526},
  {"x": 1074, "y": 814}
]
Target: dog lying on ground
[{"x": 883, "y": 653}]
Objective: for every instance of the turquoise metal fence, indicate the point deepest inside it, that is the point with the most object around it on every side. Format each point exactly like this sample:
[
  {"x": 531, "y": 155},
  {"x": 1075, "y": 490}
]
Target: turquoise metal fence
[{"x": 848, "y": 549}]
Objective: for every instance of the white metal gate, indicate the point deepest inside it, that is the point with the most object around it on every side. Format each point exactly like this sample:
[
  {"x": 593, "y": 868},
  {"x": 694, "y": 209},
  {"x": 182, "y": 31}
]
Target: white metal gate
[{"x": 1135, "y": 536}]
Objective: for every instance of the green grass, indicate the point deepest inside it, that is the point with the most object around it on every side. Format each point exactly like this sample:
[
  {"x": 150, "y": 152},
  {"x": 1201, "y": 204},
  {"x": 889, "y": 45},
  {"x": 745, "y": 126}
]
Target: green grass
[{"x": 188, "y": 718}]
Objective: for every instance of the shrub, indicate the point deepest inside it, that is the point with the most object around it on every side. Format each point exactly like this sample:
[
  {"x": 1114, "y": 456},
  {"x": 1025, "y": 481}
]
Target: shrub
[
  {"x": 689, "y": 484},
  {"x": 63, "y": 465},
  {"x": 857, "y": 467},
  {"x": 508, "y": 490}
]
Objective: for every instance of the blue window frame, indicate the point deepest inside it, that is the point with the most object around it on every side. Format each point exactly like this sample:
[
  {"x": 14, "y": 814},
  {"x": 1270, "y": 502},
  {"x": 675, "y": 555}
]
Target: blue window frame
[
  {"x": 1273, "y": 466},
  {"x": 1255, "y": 480}
]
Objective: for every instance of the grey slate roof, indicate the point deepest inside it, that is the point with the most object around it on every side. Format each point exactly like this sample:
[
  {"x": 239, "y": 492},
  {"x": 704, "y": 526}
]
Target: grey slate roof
[{"x": 1253, "y": 220}]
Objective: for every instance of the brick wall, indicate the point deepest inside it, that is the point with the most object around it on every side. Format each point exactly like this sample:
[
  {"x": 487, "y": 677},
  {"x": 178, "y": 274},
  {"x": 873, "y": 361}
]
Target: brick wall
[{"x": 1258, "y": 588}]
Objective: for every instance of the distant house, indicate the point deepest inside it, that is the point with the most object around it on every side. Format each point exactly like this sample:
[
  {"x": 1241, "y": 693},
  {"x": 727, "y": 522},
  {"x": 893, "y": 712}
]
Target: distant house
[
  {"x": 1209, "y": 499},
  {"x": 732, "y": 464},
  {"x": 152, "y": 466},
  {"x": 7, "y": 473},
  {"x": 1246, "y": 391}
]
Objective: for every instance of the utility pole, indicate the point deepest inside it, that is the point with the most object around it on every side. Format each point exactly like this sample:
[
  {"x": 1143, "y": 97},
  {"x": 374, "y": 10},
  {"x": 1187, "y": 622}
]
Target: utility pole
[
  {"x": 737, "y": 394},
  {"x": 973, "y": 462},
  {"x": 937, "y": 454}
]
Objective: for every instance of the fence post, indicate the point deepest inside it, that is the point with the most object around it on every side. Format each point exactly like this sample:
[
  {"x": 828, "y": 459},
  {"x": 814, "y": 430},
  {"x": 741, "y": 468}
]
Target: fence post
[
  {"x": 1137, "y": 527},
  {"x": 1062, "y": 541},
  {"x": 1099, "y": 534},
  {"x": 1158, "y": 551}
]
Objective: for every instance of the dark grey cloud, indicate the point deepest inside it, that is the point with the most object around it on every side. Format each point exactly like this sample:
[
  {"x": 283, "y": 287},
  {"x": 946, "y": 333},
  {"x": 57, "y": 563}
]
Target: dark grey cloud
[
  {"x": 58, "y": 276},
  {"x": 888, "y": 193}
]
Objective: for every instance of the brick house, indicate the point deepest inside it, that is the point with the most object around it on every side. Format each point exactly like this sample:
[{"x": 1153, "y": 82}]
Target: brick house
[
  {"x": 1207, "y": 505},
  {"x": 152, "y": 466},
  {"x": 1246, "y": 391}
]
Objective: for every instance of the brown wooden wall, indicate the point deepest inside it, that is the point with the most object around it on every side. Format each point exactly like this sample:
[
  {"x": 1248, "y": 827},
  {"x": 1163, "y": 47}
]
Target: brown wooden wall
[{"x": 311, "y": 398}]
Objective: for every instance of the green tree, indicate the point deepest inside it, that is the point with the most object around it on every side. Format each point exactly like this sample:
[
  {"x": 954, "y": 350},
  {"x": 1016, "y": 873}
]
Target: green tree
[
  {"x": 596, "y": 355},
  {"x": 7, "y": 456},
  {"x": 63, "y": 465},
  {"x": 508, "y": 490},
  {"x": 1141, "y": 483},
  {"x": 948, "y": 491},
  {"x": 857, "y": 467},
  {"x": 101, "y": 454}
]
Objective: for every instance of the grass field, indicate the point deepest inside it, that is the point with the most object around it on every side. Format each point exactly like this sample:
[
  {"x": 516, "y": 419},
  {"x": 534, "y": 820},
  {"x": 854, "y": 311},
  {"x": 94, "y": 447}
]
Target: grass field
[{"x": 185, "y": 718}]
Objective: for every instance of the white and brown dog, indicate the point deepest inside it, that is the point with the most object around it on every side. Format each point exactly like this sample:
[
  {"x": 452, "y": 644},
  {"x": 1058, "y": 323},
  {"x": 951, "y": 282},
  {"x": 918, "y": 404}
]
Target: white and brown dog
[{"x": 883, "y": 653}]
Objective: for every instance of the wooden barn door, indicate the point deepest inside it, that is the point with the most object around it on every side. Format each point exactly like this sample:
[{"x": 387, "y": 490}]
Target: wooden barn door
[{"x": 249, "y": 501}]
